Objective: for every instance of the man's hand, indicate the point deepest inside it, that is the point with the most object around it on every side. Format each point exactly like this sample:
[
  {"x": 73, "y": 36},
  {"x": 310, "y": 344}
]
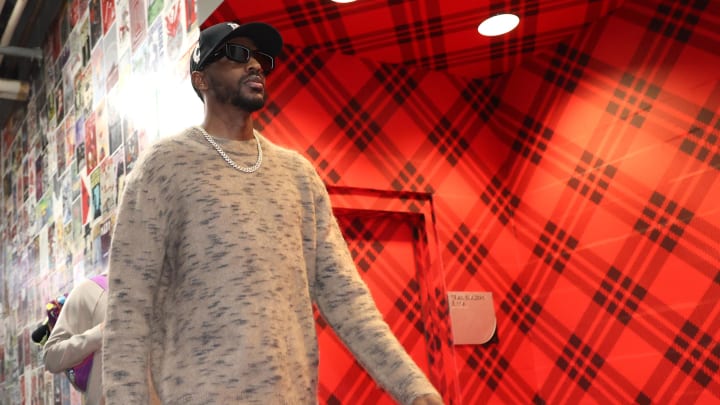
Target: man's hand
[{"x": 428, "y": 399}]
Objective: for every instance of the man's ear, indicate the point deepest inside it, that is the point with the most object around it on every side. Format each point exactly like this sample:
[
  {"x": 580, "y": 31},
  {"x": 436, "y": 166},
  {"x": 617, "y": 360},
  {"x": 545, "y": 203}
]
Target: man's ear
[{"x": 198, "y": 80}]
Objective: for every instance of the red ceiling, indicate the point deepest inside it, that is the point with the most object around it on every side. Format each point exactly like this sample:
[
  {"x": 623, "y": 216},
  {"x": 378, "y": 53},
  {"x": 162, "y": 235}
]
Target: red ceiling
[{"x": 432, "y": 34}]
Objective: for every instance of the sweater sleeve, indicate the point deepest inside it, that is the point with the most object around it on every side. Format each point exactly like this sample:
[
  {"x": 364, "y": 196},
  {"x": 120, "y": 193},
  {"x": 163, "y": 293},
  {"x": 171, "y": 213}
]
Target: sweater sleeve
[
  {"x": 74, "y": 337},
  {"x": 136, "y": 262},
  {"x": 345, "y": 302}
]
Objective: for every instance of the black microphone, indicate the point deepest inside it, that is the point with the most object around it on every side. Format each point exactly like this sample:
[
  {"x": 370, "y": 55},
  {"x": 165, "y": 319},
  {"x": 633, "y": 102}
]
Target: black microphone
[{"x": 40, "y": 334}]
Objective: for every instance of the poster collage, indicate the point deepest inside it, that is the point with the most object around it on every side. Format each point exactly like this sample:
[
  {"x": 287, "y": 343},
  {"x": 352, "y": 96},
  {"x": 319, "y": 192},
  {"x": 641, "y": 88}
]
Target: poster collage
[{"x": 99, "y": 98}]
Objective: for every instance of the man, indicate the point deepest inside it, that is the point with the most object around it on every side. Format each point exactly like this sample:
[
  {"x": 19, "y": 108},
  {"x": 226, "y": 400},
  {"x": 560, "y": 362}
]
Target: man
[{"x": 223, "y": 240}]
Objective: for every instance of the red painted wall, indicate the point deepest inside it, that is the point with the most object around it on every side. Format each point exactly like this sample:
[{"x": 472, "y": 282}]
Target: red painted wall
[{"x": 581, "y": 190}]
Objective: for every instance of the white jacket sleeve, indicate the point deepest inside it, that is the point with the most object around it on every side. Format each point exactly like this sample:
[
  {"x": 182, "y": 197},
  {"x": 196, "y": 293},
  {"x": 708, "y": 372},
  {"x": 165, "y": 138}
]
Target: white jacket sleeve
[{"x": 75, "y": 335}]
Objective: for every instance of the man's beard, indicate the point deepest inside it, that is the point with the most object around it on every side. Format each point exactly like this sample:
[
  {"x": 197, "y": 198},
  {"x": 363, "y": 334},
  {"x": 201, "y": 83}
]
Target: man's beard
[{"x": 233, "y": 95}]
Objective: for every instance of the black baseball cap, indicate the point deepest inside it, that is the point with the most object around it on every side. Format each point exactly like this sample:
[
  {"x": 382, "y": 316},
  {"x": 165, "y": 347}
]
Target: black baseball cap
[{"x": 266, "y": 38}]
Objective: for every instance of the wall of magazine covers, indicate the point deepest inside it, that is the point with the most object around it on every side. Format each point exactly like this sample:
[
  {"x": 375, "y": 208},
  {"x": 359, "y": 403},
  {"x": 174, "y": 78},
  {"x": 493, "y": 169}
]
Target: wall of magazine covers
[
  {"x": 581, "y": 189},
  {"x": 110, "y": 68}
]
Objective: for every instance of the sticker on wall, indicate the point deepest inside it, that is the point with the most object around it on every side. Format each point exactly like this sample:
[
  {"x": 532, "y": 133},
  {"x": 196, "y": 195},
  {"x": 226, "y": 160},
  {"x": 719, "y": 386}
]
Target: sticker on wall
[
  {"x": 108, "y": 14},
  {"x": 138, "y": 22},
  {"x": 472, "y": 317}
]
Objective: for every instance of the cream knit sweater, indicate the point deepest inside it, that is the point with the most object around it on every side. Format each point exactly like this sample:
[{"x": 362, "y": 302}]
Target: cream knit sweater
[{"x": 213, "y": 274}]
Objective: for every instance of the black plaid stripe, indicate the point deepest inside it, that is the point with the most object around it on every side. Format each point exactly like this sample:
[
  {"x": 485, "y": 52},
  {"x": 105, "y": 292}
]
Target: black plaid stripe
[
  {"x": 580, "y": 362},
  {"x": 633, "y": 99},
  {"x": 504, "y": 45},
  {"x": 442, "y": 339},
  {"x": 696, "y": 353},
  {"x": 674, "y": 19},
  {"x": 501, "y": 46},
  {"x": 663, "y": 221},
  {"x": 397, "y": 82},
  {"x": 488, "y": 364},
  {"x": 555, "y": 247},
  {"x": 267, "y": 115},
  {"x": 566, "y": 67},
  {"x": 304, "y": 68},
  {"x": 357, "y": 124},
  {"x": 592, "y": 177},
  {"x": 481, "y": 98},
  {"x": 417, "y": 205},
  {"x": 319, "y": 320},
  {"x": 620, "y": 296},
  {"x": 521, "y": 308},
  {"x": 409, "y": 178},
  {"x": 409, "y": 33},
  {"x": 304, "y": 64},
  {"x": 468, "y": 249},
  {"x": 502, "y": 202},
  {"x": 322, "y": 165},
  {"x": 333, "y": 400},
  {"x": 366, "y": 247},
  {"x": 408, "y": 304},
  {"x": 532, "y": 139},
  {"x": 319, "y": 20},
  {"x": 701, "y": 141},
  {"x": 449, "y": 141}
]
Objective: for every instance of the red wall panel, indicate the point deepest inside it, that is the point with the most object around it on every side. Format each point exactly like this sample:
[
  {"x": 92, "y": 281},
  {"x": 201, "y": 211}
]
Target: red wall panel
[{"x": 581, "y": 189}]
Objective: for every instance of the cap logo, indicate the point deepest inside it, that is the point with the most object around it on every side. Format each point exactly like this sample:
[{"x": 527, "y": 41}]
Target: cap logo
[
  {"x": 233, "y": 25},
  {"x": 196, "y": 54}
]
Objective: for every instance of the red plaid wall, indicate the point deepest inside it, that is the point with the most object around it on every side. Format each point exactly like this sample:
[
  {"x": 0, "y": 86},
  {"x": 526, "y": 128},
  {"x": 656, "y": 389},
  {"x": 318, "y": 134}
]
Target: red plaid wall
[{"x": 581, "y": 189}]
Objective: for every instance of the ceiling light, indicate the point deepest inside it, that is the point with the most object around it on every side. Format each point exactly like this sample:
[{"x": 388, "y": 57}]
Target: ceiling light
[
  {"x": 498, "y": 25},
  {"x": 343, "y": 1}
]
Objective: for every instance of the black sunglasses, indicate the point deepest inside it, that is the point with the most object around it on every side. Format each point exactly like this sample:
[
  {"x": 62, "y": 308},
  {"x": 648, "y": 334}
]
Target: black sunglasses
[{"x": 241, "y": 54}]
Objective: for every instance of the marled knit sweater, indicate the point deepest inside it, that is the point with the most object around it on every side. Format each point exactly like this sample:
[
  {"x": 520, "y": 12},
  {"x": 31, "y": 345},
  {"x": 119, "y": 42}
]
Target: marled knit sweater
[{"x": 212, "y": 277}]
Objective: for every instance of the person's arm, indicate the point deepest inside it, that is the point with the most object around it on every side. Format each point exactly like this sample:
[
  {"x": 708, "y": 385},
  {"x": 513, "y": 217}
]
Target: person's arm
[
  {"x": 74, "y": 338},
  {"x": 428, "y": 399},
  {"x": 136, "y": 261},
  {"x": 345, "y": 302}
]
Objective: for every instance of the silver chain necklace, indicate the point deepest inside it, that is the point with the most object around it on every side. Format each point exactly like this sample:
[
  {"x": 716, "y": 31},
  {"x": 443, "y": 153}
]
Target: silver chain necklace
[{"x": 227, "y": 158}]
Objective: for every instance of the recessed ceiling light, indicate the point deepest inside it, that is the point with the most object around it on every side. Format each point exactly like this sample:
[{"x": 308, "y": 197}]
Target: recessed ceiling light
[
  {"x": 498, "y": 25},
  {"x": 343, "y": 1}
]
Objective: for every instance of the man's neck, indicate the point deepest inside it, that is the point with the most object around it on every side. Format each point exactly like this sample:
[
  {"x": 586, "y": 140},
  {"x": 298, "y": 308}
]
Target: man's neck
[{"x": 229, "y": 124}]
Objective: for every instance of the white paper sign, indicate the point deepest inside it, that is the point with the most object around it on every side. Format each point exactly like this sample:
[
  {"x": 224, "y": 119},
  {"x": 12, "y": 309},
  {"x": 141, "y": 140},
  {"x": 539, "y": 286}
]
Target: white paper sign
[{"x": 472, "y": 317}]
